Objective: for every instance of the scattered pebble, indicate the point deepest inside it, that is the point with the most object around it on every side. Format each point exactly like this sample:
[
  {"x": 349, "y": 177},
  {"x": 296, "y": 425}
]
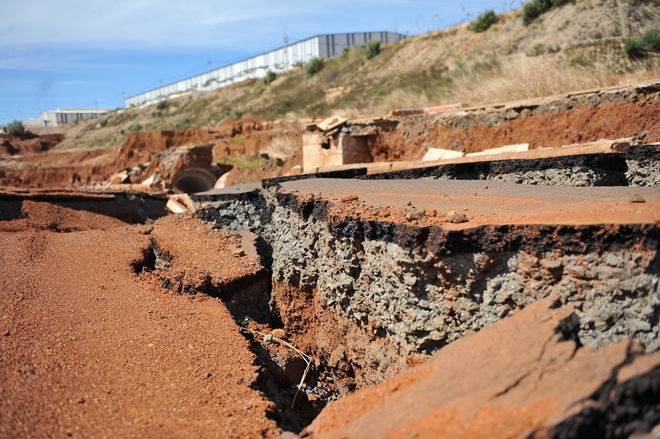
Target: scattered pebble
[
  {"x": 485, "y": 187},
  {"x": 409, "y": 203},
  {"x": 636, "y": 198},
  {"x": 457, "y": 218},
  {"x": 415, "y": 215},
  {"x": 431, "y": 212},
  {"x": 641, "y": 325},
  {"x": 207, "y": 375},
  {"x": 349, "y": 198},
  {"x": 552, "y": 265}
]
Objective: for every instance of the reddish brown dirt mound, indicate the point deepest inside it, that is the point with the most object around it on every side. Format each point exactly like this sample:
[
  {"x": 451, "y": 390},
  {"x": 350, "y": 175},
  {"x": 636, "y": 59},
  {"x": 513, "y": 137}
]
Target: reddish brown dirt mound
[
  {"x": 521, "y": 377},
  {"x": 46, "y": 216},
  {"x": 139, "y": 147},
  {"x": 28, "y": 144},
  {"x": 87, "y": 349}
]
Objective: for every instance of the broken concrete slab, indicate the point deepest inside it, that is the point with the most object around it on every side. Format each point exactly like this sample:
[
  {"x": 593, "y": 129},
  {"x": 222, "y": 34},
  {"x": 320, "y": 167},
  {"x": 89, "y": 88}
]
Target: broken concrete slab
[
  {"x": 427, "y": 110},
  {"x": 119, "y": 178},
  {"x": 331, "y": 123},
  {"x": 128, "y": 207},
  {"x": 337, "y": 150},
  {"x": 434, "y": 154},
  {"x": 180, "y": 203},
  {"x": 501, "y": 150},
  {"x": 524, "y": 376}
]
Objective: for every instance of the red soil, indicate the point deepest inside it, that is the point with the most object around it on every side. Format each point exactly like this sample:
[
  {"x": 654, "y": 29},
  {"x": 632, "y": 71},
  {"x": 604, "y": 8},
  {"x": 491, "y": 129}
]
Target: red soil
[
  {"x": 516, "y": 378},
  {"x": 28, "y": 144},
  {"x": 582, "y": 124},
  {"x": 238, "y": 139},
  {"x": 88, "y": 349}
]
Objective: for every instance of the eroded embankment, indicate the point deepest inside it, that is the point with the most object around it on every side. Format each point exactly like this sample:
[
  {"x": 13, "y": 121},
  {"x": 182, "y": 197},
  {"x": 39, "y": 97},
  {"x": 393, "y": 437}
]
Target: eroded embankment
[
  {"x": 76, "y": 210},
  {"x": 628, "y": 112},
  {"x": 238, "y": 140},
  {"x": 367, "y": 296}
]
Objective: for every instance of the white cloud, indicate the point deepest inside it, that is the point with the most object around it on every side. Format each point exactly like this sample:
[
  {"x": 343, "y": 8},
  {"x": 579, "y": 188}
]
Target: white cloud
[{"x": 205, "y": 23}]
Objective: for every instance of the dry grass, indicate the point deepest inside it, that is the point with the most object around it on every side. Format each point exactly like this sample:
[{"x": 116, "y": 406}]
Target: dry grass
[
  {"x": 533, "y": 77},
  {"x": 282, "y": 147},
  {"x": 402, "y": 99},
  {"x": 518, "y": 78},
  {"x": 397, "y": 99}
]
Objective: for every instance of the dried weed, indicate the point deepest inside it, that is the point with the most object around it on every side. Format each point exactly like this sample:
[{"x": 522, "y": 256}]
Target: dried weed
[{"x": 306, "y": 358}]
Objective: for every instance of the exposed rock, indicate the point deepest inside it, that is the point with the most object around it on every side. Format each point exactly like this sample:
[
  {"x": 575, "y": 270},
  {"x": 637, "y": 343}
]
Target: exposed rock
[
  {"x": 637, "y": 199},
  {"x": 415, "y": 215}
]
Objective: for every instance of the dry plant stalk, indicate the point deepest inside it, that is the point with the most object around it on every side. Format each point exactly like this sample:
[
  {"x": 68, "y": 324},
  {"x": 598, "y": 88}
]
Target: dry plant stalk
[
  {"x": 306, "y": 358},
  {"x": 521, "y": 77}
]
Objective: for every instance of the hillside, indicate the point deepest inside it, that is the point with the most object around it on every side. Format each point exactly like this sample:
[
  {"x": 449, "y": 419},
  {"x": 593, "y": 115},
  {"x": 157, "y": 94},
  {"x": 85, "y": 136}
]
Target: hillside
[{"x": 575, "y": 46}]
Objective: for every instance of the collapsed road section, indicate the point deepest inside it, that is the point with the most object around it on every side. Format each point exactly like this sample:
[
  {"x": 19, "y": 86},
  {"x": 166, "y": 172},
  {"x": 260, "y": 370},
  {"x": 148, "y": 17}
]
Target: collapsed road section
[
  {"x": 126, "y": 207},
  {"x": 371, "y": 275}
]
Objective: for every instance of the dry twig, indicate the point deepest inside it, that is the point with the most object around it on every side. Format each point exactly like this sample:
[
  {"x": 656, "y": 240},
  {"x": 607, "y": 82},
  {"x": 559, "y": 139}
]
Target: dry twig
[{"x": 306, "y": 358}]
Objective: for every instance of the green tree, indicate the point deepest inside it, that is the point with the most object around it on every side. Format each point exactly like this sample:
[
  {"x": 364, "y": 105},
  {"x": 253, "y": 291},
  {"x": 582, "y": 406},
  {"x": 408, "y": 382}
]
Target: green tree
[
  {"x": 485, "y": 20},
  {"x": 314, "y": 66},
  {"x": 371, "y": 49},
  {"x": 15, "y": 128},
  {"x": 270, "y": 77}
]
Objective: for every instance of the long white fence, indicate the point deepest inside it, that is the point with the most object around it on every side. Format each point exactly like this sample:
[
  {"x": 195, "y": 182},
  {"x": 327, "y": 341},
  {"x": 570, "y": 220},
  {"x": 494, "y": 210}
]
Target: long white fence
[{"x": 278, "y": 60}]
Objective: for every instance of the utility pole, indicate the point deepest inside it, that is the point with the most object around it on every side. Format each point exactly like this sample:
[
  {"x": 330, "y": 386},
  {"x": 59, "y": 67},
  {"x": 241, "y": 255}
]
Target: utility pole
[
  {"x": 286, "y": 55},
  {"x": 208, "y": 59}
]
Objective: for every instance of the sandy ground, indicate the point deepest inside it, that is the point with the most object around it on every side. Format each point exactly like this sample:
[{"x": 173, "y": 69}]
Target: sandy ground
[{"x": 89, "y": 349}]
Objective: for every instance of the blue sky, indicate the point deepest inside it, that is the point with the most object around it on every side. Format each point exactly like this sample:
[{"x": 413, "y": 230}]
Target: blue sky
[{"x": 74, "y": 53}]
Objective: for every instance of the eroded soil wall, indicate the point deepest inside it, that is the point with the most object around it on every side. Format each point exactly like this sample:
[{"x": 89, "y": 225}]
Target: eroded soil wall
[{"x": 552, "y": 122}]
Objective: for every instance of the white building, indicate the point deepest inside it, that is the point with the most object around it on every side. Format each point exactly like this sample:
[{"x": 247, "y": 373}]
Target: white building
[
  {"x": 278, "y": 60},
  {"x": 63, "y": 116}
]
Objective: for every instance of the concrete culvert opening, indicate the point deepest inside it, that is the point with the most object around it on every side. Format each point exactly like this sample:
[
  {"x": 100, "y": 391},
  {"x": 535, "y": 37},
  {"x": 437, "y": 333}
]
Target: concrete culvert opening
[{"x": 193, "y": 181}]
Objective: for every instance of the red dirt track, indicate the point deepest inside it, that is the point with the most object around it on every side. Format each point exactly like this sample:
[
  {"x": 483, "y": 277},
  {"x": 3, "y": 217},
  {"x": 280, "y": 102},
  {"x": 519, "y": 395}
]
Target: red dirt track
[{"x": 89, "y": 349}]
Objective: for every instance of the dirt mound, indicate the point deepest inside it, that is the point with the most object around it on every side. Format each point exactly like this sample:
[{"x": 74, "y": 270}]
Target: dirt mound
[
  {"x": 548, "y": 123},
  {"x": 139, "y": 147},
  {"x": 524, "y": 376},
  {"x": 46, "y": 216},
  {"x": 233, "y": 128},
  {"x": 89, "y": 349},
  {"x": 28, "y": 144}
]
